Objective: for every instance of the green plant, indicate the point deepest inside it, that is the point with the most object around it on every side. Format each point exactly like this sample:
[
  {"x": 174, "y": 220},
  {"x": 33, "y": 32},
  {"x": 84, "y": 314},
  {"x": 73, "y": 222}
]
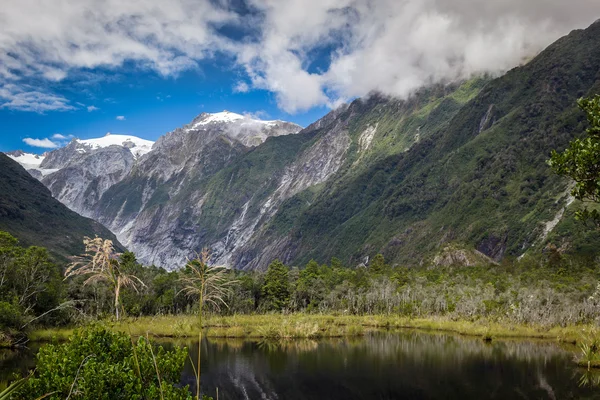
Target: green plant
[
  {"x": 589, "y": 353},
  {"x": 276, "y": 290},
  {"x": 211, "y": 285},
  {"x": 581, "y": 159},
  {"x": 12, "y": 389},
  {"x": 99, "y": 364}
]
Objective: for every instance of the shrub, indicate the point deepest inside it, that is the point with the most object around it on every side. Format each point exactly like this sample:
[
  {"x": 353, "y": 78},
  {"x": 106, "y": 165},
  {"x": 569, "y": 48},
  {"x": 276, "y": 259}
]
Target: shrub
[
  {"x": 99, "y": 364},
  {"x": 11, "y": 316}
]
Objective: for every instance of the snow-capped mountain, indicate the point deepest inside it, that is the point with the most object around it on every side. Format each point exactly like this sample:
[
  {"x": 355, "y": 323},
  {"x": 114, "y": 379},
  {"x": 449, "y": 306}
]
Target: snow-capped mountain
[
  {"x": 245, "y": 129},
  {"x": 136, "y": 145},
  {"x": 32, "y": 163},
  {"x": 27, "y": 160},
  {"x": 88, "y": 175},
  {"x": 79, "y": 173}
]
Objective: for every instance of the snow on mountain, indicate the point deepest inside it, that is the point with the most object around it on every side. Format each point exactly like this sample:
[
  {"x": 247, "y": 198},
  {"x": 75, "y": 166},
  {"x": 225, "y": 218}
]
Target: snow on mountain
[
  {"x": 243, "y": 128},
  {"x": 228, "y": 117},
  {"x": 225, "y": 117},
  {"x": 32, "y": 163},
  {"x": 136, "y": 145},
  {"x": 27, "y": 160}
]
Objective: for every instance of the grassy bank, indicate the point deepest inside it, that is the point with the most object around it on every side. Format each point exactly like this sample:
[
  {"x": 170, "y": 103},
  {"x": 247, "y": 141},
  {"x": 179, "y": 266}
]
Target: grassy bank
[{"x": 278, "y": 326}]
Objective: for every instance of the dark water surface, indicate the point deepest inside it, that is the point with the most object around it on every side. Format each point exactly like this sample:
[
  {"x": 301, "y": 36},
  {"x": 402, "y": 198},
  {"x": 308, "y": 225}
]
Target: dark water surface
[{"x": 406, "y": 365}]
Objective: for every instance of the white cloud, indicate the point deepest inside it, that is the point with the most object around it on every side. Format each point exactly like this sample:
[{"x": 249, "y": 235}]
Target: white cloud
[
  {"x": 260, "y": 114},
  {"x": 27, "y": 98},
  {"x": 61, "y": 137},
  {"x": 396, "y": 46},
  {"x": 120, "y": 118},
  {"x": 92, "y": 108},
  {"x": 43, "y": 143},
  {"x": 241, "y": 87},
  {"x": 387, "y": 45}
]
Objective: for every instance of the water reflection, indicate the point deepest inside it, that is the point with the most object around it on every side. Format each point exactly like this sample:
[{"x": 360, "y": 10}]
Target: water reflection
[
  {"x": 388, "y": 366},
  {"x": 407, "y": 365},
  {"x": 15, "y": 363}
]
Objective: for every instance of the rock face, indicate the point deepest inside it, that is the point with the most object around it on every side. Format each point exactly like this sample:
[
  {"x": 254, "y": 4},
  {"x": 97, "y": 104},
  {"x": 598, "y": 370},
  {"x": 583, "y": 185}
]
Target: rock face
[{"x": 140, "y": 189}]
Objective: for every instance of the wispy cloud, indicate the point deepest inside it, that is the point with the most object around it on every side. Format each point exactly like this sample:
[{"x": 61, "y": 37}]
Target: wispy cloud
[
  {"x": 241, "y": 87},
  {"x": 260, "y": 115},
  {"x": 60, "y": 136},
  {"x": 92, "y": 108},
  {"x": 43, "y": 143},
  {"x": 120, "y": 118},
  {"x": 26, "y": 98}
]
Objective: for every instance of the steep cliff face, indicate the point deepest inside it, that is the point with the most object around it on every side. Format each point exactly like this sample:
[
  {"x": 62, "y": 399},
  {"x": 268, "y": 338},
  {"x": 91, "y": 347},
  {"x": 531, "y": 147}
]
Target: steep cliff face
[
  {"x": 480, "y": 178},
  {"x": 201, "y": 186},
  {"x": 142, "y": 190}
]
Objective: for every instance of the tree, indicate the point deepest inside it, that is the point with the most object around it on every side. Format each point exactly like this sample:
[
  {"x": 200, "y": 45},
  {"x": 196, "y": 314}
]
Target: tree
[
  {"x": 377, "y": 266},
  {"x": 30, "y": 284},
  {"x": 581, "y": 161},
  {"x": 276, "y": 289},
  {"x": 310, "y": 289},
  {"x": 211, "y": 285},
  {"x": 101, "y": 263}
]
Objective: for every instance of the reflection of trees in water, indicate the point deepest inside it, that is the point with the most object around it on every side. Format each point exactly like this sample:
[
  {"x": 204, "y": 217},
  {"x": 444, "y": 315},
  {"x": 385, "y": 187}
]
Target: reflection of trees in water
[
  {"x": 409, "y": 365},
  {"x": 14, "y": 362},
  {"x": 589, "y": 378}
]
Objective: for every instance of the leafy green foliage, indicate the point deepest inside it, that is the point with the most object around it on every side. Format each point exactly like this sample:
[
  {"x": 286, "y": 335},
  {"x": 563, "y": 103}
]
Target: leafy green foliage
[
  {"x": 581, "y": 160},
  {"x": 102, "y": 264},
  {"x": 276, "y": 289},
  {"x": 100, "y": 364},
  {"x": 30, "y": 285}
]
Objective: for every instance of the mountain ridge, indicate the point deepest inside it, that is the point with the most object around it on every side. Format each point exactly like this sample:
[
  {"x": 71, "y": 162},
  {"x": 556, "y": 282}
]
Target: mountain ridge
[{"x": 29, "y": 212}]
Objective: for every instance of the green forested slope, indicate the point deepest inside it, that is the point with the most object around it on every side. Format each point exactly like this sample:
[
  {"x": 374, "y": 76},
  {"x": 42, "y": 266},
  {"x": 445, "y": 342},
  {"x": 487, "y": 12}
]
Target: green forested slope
[
  {"x": 481, "y": 180},
  {"x": 30, "y": 213}
]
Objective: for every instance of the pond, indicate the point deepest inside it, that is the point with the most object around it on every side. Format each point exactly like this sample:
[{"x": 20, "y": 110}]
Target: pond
[{"x": 404, "y": 365}]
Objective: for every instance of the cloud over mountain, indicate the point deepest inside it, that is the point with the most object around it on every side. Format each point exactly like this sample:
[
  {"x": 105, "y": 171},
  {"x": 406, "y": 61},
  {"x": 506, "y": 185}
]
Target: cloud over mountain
[{"x": 307, "y": 52}]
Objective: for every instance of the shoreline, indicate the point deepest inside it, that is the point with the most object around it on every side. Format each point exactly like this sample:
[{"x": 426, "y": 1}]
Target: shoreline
[{"x": 314, "y": 326}]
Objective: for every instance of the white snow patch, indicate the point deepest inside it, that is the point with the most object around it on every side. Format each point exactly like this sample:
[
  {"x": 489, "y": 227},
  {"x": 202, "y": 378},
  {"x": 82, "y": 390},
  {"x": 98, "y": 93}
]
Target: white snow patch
[
  {"x": 28, "y": 160},
  {"x": 229, "y": 117},
  {"x": 47, "y": 171},
  {"x": 136, "y": 145},
  {"x": 225, "y": 116},
  {"x": 32, "y": 162}
]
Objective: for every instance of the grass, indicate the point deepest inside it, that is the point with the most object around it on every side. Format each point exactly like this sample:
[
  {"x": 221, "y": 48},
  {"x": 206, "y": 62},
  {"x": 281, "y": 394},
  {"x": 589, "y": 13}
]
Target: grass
[{"x": 278, "y": 326}]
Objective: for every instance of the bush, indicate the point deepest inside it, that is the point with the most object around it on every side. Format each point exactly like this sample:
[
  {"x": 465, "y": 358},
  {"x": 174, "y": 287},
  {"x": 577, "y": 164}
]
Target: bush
[
  {"x": 10, "y": 316},
  {"x": 99, "y": 364}
]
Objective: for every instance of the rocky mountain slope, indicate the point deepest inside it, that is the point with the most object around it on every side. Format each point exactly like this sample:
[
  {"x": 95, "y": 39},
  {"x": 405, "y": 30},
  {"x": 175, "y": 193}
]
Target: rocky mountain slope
[
  {"x": 29, "y": 212},
  {"x": 455, "y": 166}
]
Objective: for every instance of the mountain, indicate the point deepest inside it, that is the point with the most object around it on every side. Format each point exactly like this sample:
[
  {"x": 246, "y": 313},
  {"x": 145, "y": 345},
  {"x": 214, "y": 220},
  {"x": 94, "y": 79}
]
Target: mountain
[
  {"x": 456, "y": 166},
  {"x": 480, "y": 179},
  {"x": 118, "y": 179},
  {"x": 79, "y": 173},
  {"x": 199, "y": 188},
  {"x": 29, "y": 212}
]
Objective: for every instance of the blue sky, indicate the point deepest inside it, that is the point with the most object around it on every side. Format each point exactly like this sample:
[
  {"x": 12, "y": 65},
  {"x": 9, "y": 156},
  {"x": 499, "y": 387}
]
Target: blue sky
[
  {"x": 152, "y": 105},
  {"x": 82, "y": 68}
]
